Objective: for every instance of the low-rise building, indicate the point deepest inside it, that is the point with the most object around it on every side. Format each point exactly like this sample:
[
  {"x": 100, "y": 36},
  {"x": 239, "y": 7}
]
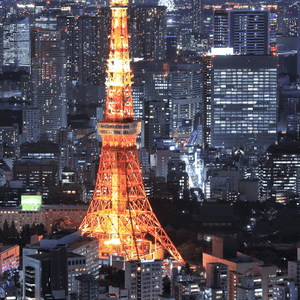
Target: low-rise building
[
  {"x": 46, "y": 215},
  {"x": 285, "y": 290},
  {"x": 143, "y": 279},
  {"x": 79, "y": 254},
  {"x": 9, "y": 257}
]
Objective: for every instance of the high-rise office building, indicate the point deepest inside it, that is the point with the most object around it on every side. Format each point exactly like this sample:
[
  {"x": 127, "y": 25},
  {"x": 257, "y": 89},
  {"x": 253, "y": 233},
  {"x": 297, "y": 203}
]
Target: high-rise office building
[
  {"x": 46, "y": 274},
  {"x": 218, "y": 278},
  {"x": 147, "y": 27},
  {"x": 143, "y": 279},
  {"x": 154, "y": 76},
  {"x": 243, "y": 108},
  {"x": 206, "y": 103},
  {"x": 273, "y": 27},
  {"x": 52, "y": 265},
  {"x": 298, "y": 44},
  {"x": 285, "y": 290},
  {"x": 88, "y": 287},
  {"x": 31, "y": 124},
  {"x": 49, "y": 82},
  {"x": 186, "y": 97},
  {"x": 1, "y": 46},
  {"x": 288, "y": 20},
  {"x": 16, "y": 44},
  {"x": 197, "y": 16},
  {"x": 9, "y": 135},
  {"x": 171, "y": 46},
  {"x": 138, "y": 97},
  {"x": 38, "y": 166},
  {"x": 294, "y": 273},
  {"x": 279, "y": 172},
  {"x": 87, "y": 48},
  {"x": 249, "y": 31},
  {"x": 220, "y": 28}
]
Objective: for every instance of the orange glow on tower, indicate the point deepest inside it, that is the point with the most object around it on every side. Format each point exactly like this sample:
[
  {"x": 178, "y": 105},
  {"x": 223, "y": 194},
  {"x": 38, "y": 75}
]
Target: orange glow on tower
[{"x": 120, "y": 215}]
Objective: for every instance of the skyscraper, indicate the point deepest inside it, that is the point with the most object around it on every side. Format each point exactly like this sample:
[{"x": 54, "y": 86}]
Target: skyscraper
[
  {"x": 87, "y": 49},
  {"x": 147, "y": 27},
  {"x": 240, "y": 108},
  {"x": 143, "y": 279},
  {"x": 220, "y": 28},
  {"x": 186, "y": 88},
  {"x": 155, "y": 76},
  {"x": 119, "y": 214},
  {"x": 31, "y": 124},
  {"x": 49, "y": 82},
  {"x": 206, "y": 103},
  {"x": 279, "y": 172},
  {"x": 16, "y": 44},
  {"x": 1, "y": 46},
  {"x": 197, "y": 15},
  {"x": 249, "y": 31}
]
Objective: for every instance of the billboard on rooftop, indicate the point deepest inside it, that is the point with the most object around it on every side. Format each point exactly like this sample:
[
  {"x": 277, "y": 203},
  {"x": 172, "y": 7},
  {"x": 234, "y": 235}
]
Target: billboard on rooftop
[{"x": 31, "y": 202}]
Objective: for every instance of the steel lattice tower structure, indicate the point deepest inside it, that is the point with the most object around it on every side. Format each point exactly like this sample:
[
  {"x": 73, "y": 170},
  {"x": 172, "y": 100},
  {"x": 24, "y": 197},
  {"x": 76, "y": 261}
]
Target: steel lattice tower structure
[{"x": 120, "y": 215}]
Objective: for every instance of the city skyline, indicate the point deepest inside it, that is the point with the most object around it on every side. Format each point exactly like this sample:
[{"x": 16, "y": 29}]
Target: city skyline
[{"x": 170, "y": 129}]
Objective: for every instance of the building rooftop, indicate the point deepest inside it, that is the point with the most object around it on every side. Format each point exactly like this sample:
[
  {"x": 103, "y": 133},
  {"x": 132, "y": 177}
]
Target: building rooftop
[
  {"x": 81, "y": 242},
  {"x": 40, "y": 256},
  {"x": 45, "y": 208},
  {"x": 286, "y": 146},
  {"x": 45, "y": 255},
  {"x": 72, "y": 255},
  {"x": 243, "y": 258},
  {"x": 39, "y": 147},
  {"x": 4, "y": 248},
  {"x": 59, "y": 234}
]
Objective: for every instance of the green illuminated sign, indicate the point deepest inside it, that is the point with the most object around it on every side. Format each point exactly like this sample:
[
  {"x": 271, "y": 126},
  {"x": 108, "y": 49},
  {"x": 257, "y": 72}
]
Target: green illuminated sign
[{"x": 31, "y": 202}]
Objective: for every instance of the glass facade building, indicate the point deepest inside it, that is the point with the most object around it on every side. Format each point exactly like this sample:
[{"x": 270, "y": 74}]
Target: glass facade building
[
  {"x": 244, "y": 100},
  {"x": 249, "y": 31},
  {"x": 220, "y": 28},
  {"x": 186, "y": 92},
  {"x": 49, "y": 82}
]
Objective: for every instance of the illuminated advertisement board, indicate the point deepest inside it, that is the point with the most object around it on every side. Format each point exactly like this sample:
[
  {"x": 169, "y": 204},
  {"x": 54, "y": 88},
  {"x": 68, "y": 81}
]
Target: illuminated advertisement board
[{"x": 31, "y": 202}]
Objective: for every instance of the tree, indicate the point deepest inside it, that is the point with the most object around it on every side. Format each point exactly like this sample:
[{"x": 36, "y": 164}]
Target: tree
[
  {"x": 167, "y": 285},
  {"x": 25, "y": 234},
  {"x": 1, "y": 235},
  {"x": 186, "y": 268},
  {"x": 33, "y": 229},
  {"x": 41, "y": 229},
  {"x": 190, "y": 251},
  {"x": 5, "y": 230},
  {"x": 13, "y": 232},
  {"x": 113, "y": 274}
]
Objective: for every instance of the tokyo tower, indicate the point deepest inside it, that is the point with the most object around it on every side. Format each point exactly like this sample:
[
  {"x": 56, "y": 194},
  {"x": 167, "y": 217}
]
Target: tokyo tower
[{"x": 120, "y": 215}]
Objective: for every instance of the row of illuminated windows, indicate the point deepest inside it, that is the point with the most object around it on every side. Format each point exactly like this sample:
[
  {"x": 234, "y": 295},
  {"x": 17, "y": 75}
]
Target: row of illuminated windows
[
  {"x": 243, "y": 126},
  {"x": 241, "y": 83},
  {"x": 270, "y": 104},
  {"x": 244, "y": 131},
  {"x": 248, "y": 124},
  {"x": 231, "y": 122},
  {"x": 246, "y": 79},
  {"x": 244, "y": 90},
  {"x": 250, "y": 71},
  {"x": 248, "y": 76}
]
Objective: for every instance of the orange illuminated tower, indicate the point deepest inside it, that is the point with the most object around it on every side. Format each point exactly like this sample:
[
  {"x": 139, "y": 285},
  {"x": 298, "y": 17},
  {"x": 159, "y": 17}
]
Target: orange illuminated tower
[{"x": 119, "y": 214}]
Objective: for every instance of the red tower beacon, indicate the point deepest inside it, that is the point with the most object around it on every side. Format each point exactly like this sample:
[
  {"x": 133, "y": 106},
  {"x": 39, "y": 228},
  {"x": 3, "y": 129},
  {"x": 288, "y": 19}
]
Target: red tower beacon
[{"x": 120, "y": 215}]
